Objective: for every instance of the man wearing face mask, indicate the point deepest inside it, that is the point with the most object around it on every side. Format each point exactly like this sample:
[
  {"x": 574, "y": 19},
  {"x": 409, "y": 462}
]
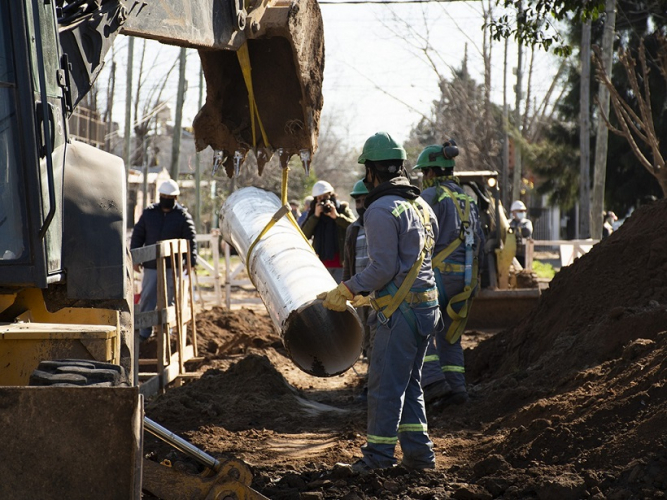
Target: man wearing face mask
[
  {"x": 165, "y": 220},
  {"x": 522, "y": 228}
]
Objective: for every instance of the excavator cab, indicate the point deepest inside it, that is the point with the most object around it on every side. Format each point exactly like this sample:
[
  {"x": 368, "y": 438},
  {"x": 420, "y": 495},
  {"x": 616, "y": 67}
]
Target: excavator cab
[{"x": 32, "y": 161}]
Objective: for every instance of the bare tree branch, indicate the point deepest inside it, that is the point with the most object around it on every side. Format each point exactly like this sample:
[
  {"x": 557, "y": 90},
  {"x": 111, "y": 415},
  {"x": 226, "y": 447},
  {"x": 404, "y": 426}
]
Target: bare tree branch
[{"x": 636, "y": 127}]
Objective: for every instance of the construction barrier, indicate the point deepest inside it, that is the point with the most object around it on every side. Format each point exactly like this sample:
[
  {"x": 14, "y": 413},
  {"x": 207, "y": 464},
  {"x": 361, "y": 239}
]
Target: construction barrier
[
  {"x": 173, "y": 322},
  {"x": 568, "y": 249}
]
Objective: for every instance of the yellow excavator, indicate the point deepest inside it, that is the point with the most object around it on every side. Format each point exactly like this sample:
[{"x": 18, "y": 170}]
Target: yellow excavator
[{"x": 72, "y": 416}]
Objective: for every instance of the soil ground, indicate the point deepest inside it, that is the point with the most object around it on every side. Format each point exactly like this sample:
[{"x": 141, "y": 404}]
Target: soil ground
[{"x": 571, "y": 403}]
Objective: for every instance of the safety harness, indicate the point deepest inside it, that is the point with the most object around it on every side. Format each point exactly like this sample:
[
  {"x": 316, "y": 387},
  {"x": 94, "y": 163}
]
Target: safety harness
[
  {"x": 459, "y": 305},
  {"x": 391, "y": 298}
]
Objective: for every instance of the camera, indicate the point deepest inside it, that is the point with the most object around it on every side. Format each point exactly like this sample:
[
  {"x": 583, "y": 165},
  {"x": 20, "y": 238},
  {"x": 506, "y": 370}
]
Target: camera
[{"x": 326, "y": 206}]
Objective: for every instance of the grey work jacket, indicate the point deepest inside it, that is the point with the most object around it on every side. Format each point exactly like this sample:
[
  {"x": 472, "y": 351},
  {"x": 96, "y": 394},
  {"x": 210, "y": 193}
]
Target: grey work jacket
[{"x": 395, "y": 237}]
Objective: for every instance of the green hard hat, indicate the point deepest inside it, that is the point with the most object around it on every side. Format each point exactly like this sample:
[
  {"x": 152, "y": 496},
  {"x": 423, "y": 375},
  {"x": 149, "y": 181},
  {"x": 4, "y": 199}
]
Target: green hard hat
[
  {"x": 359, "y": 189},
  {"x": 435, "y": 156},
  {"x": 381, "y": 147}
]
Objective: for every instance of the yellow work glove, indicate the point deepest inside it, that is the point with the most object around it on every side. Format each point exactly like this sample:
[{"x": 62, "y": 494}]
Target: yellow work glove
[
  {"x": 336, "y": 299},
  {"x": 361, "y": 301}
]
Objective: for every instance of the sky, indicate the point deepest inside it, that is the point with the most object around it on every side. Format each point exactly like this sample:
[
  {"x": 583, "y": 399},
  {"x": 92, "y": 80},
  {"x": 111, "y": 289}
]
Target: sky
[{"x": 376, "y": 76}]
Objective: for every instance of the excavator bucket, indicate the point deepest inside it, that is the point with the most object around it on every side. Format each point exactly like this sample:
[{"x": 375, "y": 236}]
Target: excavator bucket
[
  {"x": 495, "y": 309},
  {"x": 263, "y": 62},
  {"x": 70, "y": 442}
]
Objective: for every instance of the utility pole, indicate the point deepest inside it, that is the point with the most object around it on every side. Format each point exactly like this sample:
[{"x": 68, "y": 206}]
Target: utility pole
[
  {"x": 127, "y": 150},
  {"x": 178, "y": 118},
  {"x": 584, "y": 228},
  {"x": 198, "y": 224},
  {"x": 600, "y": 168},
  {"x": 504, "y": 175},
  {"x": 516, "y": 177}
]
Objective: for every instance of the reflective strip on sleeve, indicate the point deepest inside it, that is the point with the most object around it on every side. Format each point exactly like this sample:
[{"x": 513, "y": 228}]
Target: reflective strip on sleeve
[{"x": 431, "y": 357}]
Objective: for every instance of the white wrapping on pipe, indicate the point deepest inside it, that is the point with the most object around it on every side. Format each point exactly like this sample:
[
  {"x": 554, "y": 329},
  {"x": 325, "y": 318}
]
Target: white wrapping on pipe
[{"x": 288, "y": 276}]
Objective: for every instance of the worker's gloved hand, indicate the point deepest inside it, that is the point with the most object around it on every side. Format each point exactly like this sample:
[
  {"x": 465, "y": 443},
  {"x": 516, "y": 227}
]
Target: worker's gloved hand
[
  {"x": 336, "y": 299},
  {"x": 361, "y": 301}
]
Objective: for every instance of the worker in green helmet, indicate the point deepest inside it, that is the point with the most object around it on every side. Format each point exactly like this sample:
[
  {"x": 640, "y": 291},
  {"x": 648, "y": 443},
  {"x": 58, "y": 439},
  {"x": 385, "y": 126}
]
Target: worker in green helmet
[
  {"x": 400, "y": 231},
  {"x": 356, "y": 260},
  {"x": 456, "y": 263}
]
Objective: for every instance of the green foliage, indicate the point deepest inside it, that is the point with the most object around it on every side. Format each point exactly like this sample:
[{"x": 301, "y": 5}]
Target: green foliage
[
  {"x": 555, "y": 162},
  {"x": 543, "y": 270},
  {"x": 628, "y": 184},
  {"x": 531, "y": 23}
]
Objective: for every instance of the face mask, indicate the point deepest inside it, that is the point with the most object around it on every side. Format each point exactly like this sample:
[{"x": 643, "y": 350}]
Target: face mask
[
  {"x": 167, "y": 203},
  {"x": 360, "y": 212},
  {"x": 520, "y": 215}
]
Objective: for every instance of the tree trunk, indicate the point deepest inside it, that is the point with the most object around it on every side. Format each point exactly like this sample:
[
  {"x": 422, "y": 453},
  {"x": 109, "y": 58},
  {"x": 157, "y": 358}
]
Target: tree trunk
[
  {"x": 600, "y": 170},
  {"x": 584, "y": 226}
]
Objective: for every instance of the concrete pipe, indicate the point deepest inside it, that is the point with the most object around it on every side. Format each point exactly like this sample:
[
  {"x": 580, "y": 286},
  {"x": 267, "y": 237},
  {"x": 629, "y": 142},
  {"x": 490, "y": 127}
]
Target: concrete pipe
[{"x": 289, "y": 275}]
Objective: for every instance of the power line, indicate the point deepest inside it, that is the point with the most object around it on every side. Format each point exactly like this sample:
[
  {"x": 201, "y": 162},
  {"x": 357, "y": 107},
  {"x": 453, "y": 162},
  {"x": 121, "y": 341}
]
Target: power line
[{"x": 382, "y": 2}]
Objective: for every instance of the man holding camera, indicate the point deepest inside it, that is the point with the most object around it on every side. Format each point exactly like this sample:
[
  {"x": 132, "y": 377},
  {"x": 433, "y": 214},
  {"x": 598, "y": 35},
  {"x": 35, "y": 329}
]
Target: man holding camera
[{"x": 327, "y": 223}]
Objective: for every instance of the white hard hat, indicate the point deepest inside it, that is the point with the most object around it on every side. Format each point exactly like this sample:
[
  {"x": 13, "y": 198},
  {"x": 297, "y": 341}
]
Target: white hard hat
[
  {"x": 322, "y": 187},
  {"x": 170, "y": 188},
  {"x": 517, "y": 206}
]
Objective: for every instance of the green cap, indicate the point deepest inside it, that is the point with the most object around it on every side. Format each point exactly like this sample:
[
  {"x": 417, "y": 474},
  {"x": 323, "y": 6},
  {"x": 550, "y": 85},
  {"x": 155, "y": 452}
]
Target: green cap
[
  {"x": 359, "y": 189},
  {"x": 381, "y": 147}
]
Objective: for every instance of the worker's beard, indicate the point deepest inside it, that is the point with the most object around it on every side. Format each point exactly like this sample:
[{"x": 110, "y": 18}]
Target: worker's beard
[{"x": 167, "y": 203}]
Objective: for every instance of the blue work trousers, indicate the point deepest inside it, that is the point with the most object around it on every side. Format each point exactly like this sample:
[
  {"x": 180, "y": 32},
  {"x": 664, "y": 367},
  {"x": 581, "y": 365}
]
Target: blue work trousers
[
  {"x": 396, "y": 411},
  {"x": 443, "y": 358}
]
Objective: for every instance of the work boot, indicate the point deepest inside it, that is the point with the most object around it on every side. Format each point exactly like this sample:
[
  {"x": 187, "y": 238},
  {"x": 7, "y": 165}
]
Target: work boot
[
  {"x": 407, "y": 464},
  {"x": 453, "y": 399},
  {"x": 436, "y": 390},
  {"x": 358, "y": 467}
]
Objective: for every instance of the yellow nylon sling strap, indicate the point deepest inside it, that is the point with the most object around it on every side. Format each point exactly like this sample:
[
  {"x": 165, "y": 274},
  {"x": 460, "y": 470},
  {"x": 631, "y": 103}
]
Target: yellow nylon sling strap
[
  {"x": 244, "y": 61},
  {"x": 422, "y": 211},
  {"x": 283, "y": 200},
  {"x": 285, "y": 209},
  {"x": 282, "y": 211},
  {"x": 464, "y": 215},
  {"x": 460, "y": 318}
]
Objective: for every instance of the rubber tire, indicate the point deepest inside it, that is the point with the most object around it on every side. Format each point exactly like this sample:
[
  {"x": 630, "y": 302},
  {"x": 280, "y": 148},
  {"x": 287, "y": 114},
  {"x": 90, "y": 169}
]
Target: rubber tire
[{"x": 79, "y": 372}]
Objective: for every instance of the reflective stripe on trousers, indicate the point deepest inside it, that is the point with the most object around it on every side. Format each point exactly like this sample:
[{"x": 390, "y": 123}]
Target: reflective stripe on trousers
[{"x": 394, "y": 371}]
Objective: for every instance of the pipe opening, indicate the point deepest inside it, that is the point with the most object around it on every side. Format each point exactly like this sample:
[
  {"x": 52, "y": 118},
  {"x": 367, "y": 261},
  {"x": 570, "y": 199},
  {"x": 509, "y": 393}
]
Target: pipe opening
[{"x": 321, "y": 342}]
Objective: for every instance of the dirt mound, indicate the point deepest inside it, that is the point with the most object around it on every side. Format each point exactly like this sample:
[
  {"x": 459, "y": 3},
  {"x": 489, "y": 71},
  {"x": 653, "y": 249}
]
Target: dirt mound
[
  {"x": 222, "y": 333},
  {"x": 250, "y": 393},
  {"x": 614, "y": 294},
  {"x": 581, "y": 381}
]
